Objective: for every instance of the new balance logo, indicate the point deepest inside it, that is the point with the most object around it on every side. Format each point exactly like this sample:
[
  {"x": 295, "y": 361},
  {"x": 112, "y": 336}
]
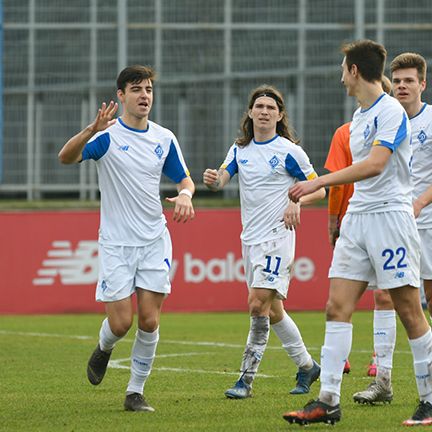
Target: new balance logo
[
  {"x": 380, "y": 333},
  {"x": 140, "y": 362},
  {"x": 123, "y": 148},
  {"x": 79, "y": 267}
]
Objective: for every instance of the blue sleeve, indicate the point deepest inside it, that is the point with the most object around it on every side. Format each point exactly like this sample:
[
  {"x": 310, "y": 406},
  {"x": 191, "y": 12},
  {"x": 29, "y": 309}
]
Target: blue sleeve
[
  {"x": 97, "y": 148},
  {"x": 230, "y": 163},
  {"x": 400, "y": 136},
  {"x": 173, "y": 167},
  {"x": 293, "y": 168}
]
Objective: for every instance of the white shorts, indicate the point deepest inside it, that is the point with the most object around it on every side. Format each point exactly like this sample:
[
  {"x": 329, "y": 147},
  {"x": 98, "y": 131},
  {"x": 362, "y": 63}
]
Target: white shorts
[
  {"x": 426, "y": 253},
  {"x": 381, "y": 248},
  {"x": 122, "y": 269},
  {"x": 268, "y": 265}
]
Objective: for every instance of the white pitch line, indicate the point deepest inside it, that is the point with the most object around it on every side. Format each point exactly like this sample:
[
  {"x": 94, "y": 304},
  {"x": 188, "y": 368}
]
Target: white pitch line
[
  {"x": 171, "y": 342},
  {"x": 55, "y": 335},
  {"x": 189, "y": 354},
  {"x": 116, "y": 364},
  {"x": 167, "y": 369}
]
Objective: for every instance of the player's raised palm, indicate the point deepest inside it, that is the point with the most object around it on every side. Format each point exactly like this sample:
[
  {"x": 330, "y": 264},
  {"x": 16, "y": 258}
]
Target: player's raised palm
[{"x": 104, "y": 118}]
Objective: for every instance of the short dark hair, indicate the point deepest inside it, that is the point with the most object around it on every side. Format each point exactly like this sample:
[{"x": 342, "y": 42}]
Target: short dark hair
[
  {"x": 135, "y": 74},
  {"x": 368, "y": 56},
  {"x": 410, "y": 60}
]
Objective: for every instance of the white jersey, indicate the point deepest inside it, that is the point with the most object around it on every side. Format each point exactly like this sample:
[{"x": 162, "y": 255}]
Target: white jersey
[
  {"x": 421, "y": 137},
  {"x": 385, "y": 123},
  {"x": 130, "y": 163},
  {"x": 266, "y": 172}
]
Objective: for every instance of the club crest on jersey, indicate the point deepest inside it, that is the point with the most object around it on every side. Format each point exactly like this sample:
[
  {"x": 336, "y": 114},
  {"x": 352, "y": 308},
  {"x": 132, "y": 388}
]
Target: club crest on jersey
[
  {"x": 366, "y": 132},
  {"x": 274, "y": 162},
  {"x": 159, "y": 151},
  {"x": 422, "y": 137}
]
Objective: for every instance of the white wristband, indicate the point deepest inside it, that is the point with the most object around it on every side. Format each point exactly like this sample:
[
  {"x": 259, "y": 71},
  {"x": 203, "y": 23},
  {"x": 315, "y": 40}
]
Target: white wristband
[{"x": 186, "y": 192}]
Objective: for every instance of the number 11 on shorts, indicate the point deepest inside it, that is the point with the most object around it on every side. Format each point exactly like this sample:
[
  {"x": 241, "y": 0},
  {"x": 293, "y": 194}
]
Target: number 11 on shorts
[{"x": 269, "y": 265}]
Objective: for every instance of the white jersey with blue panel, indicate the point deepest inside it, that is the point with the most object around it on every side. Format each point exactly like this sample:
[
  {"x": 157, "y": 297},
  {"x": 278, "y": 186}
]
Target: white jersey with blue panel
[
  {"x": 385, "y": 123},
  {"x": 421, "y": 138},
  {"x": 130, "y": 163},
  {"x": 266, "y": 171}
]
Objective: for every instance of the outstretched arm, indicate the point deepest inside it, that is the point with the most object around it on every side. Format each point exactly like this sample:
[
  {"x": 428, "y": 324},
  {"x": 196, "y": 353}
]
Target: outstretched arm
[
  {"x": 216, "y": 180},
  {"x": 370, "y": 167},
  {"x": 72, "y": 150}
]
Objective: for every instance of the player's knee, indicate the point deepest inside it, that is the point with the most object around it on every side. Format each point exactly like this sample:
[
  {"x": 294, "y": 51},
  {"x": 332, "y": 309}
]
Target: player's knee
[
  {"x": 148, "y": 324},
  {"x": 335, "y": 311},
  {"x": 121, "y": 327},
  {"x": 409, "y": 317},
  {"x": 331, "y": 309},
  {"x": 275, "y": 316},
  {"x": 256, "y": 307},
  {"x": 383, "y": 300}
]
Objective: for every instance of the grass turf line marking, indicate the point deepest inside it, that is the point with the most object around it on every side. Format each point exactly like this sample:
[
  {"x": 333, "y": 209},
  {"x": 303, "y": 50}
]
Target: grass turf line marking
[
  {"x": 174, "y": 342},
  {"x": 117, "y": 364}
]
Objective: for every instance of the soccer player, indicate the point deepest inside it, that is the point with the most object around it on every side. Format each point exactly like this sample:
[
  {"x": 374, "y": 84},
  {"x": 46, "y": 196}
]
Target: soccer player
[
  {"x": 268, "y": 161},
  {"x": 339, "y": 157},
  {"x": 378, "y": 242},
  {"x": 409, "y": 81},
  {"x": 135, "y": 252}
]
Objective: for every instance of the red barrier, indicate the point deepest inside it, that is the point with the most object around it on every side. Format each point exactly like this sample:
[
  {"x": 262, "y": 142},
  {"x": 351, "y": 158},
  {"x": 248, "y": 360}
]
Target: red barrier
[{"x": 49, "y": 263}]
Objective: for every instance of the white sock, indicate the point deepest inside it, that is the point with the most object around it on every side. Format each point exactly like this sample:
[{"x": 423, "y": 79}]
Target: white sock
[
  {"x": 422, "y": 353},
  {"x": 142, "y": 357},
  {"x": 384, "y": 344},
  {"x": 292, "y": 342},
  {"x": 107, "y": 339},
  {"x": 255, "y": 346},
  {"x": 335, "y": 351}
]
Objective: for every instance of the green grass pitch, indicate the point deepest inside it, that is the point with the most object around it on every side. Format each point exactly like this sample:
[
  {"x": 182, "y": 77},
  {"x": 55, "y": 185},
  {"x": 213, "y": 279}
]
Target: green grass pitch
[{"x": 43, "y": 384}]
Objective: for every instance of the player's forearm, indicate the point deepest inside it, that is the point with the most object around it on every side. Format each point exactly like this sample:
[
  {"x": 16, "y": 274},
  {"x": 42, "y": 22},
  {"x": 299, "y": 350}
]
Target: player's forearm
[
  {"x": 72, "y": 150},
  {"x": 313, "y": 197},
  {"x": 333, "y": 221},
  {"x": 359, "y": 171},
  {"x": 186, "y": 184},
  {"x": 335, "y": 199},
  {"x": 370, "y": 167},
  {"x": 220, "y": 182},
  {"x": 425, "y": 198}
]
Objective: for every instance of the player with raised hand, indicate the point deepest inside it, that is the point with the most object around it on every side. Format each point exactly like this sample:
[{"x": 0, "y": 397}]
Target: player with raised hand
[
  {"x": 379, "y": 242},
  {"x": 135, "y": 251},
  {"x": 268, "y": 161}
]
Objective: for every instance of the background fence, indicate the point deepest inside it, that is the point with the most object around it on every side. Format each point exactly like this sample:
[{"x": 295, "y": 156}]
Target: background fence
[{"x": 61, "y": 58}]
